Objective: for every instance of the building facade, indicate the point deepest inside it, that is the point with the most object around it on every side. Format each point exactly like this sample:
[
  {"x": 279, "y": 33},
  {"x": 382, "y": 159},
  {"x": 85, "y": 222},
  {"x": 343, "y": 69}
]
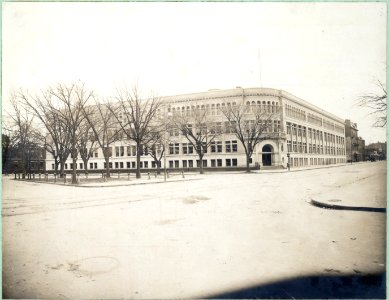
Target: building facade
[{"x": 300, "y": 134}]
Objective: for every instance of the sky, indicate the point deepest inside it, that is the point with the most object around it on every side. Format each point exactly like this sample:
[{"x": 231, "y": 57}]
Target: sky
[{"x": 328, "y": 54}]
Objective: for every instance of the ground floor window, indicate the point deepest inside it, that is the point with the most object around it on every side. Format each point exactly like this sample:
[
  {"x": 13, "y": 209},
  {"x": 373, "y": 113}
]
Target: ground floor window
[
  {"x": 213, "y": 163},
  {"x": 170, "y": 164},
  {"x": 219, "y": 162},
  {"x": 228, "y": 162},
  {"x": 176, "y": 164},
  {"x": 234, "y": 162}
]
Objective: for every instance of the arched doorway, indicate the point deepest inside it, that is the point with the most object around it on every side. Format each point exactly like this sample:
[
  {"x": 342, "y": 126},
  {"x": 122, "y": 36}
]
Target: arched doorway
[{"x": 267, "y": 151}]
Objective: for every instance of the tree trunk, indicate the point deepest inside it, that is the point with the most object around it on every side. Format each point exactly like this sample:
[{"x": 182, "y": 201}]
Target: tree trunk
[
  {"x": 74, "y": 171},
  {"x": 158, "y": 162},
  {"x": 201, "y": 163},
  {"x": 247, "y": 163},
  {"x": 62, "y": 168},
  {"x": 107, "y": 170},
  {"x": 85, "y": 160},
  {"x": 137, "y": 160}
]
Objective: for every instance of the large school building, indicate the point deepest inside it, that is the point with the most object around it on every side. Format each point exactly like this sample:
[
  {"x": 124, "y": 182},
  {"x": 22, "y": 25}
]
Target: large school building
[{"x": 300, "y": 133}]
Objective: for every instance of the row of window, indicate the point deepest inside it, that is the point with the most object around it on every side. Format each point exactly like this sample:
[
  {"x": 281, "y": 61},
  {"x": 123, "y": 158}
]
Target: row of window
[
  {"x": 228, "y": 162},
  {"x": 268, "y": 126},
  {"x": 216, "y": 108},
  {"x": 301, "y": 131},
  {"x": 215, "y": 147},
  {"x": 295, "y": 113},
  {"x": 294, "y": 146},
  {"x": 302, "y": 161}
]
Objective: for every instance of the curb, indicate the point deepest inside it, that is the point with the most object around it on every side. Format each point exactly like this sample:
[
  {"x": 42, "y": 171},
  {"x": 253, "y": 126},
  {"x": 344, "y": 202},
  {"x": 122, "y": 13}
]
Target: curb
[
  {"x": 345, "y": 207},
  {"x": 106, "y": 186}
]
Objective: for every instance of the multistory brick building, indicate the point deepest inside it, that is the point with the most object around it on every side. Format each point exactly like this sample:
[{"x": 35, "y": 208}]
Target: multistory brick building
[{"x": 300, "y": 133}]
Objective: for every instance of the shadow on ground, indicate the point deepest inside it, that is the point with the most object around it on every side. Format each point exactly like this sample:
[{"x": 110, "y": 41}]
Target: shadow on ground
[{"x": 372, "y": 286}]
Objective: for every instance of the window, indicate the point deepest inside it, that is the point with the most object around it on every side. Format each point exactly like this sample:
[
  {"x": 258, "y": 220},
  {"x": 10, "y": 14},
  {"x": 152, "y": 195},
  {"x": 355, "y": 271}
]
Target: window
[
  {"x": 146, "y": 164},
  {"x": 234, "y": 146},
  {"x": 213, "y": 163},
  {"x": 116, "y": 165},
  {"x": 96, "y": 154},
  {"x": 90, "y": 165},
  {"x": 228, "y": 146},
  {"x": 128, "y": 165},
  {"x": 176, "y": 164},
  {"x": 204, "y": 163},
  {"x": 234, "y": 162},
  {"x": 219, "y": 163},
  {"x": 119, "y": 151},
  {"x": 190, "y": 163},
  {"x": 81, "y": 166},
  {"x": 121, "y": 165},
  {"x": 184, "y": 163},
  {"x": 52, "y": 166},
  {"x": 176, "y": 148},
  {"x": 133, "y": 164},
  {"x": 289, "y": 145},
  {"x": 170, "y": 164},
  {"x": 228, "y": 162}
]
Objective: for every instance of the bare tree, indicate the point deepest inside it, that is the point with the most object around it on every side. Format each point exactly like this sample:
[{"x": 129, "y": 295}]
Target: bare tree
[
  {"x": 71, "y": 100},
  {"x": 57, "y": 142},
  {"x": 377, "y": 103},
  {"x": 25, "y": 137},
  {"x": 104, "y": 128},
  {"x": 135, "y": 116},
  {"x": 198, "y": 127},
  {"x": 251, "y": 124},
  {"x": 86, "y": 143},
  {"x": 156, "y": 146}
]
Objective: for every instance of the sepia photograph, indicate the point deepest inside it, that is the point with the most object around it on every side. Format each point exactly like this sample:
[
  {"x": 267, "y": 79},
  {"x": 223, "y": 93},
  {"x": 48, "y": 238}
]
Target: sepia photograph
[{"x": 194, "y": 150}]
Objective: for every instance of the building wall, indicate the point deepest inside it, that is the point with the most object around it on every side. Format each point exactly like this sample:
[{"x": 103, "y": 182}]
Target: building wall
[{"x": 322, "y": 143}]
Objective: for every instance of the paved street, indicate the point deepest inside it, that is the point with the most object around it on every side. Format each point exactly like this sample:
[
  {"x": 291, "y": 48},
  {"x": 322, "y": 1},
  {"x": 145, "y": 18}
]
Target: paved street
[{"x": 199, "y": 238}]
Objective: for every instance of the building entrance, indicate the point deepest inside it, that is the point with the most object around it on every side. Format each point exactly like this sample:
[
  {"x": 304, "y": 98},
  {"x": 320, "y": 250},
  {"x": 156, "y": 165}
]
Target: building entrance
[{"x": 266, "y": 155}]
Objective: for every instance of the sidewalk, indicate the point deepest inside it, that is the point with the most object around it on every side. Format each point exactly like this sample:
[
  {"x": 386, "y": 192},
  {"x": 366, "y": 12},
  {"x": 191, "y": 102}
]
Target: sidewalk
[{"x": 354, "y": 196}]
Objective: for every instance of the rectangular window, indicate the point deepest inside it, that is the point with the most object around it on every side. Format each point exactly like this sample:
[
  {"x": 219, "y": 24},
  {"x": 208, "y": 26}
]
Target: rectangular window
[
  {"x": 234, "y": 162},
  {"x": 289, "y": 146},
  {"x": 146, "y": 164},
  {"x": 288, "y": 128},
  {"x": 176, "y": 148},
  {"x": 121, "y": 165},
  {"x": 52, "y": 166},
  {"x": 116, "y": 165},
  {"x": 153, "y": 164},
  {"x": 133, "y": 165},
  {"x": 128, "y": 165},
  {"x": 228, "y": 162},
  {"x": 213, "y": 147},
  {"x": 176, "y": 163},
  {"x": 204, "y": 163},
  {"x": 219, "y": 163},
  {"x": 96, "y": 154},
  {"x": 171, "y": 149},
  {"x": 95, "y": 165},
  {"x": 184, "y": 148},
  {"x": 213, "y": 163},
  {"x": 184, "y": 163},
  {"x": 81, "y": 166},
  {"x": 190, "y": 163},
  {"x": 219, "y": 147},
  {"x": 170, "y": 164},
  {"x": 234, "y": 146},
  {"x": 128, "y": 150},
  {"x": 90, "y": 165},
  {"x": 228, "y": 146}
]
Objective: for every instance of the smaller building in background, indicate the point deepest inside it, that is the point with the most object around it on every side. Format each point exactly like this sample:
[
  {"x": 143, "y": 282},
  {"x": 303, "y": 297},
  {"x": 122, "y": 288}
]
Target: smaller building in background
[{"x": 352, "y": 142}]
